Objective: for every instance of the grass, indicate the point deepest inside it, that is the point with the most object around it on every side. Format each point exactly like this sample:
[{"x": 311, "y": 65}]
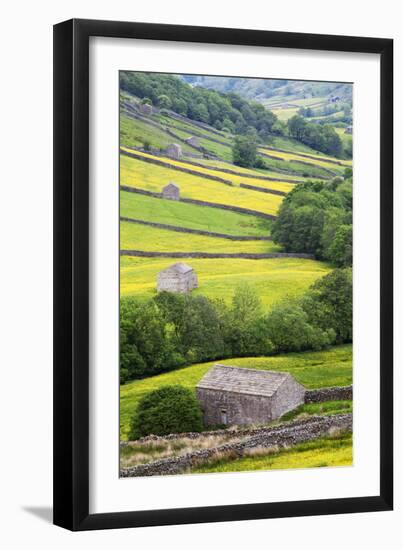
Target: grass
[
  {"x": 235, "y": 179},
  {"x": 324, "y": 409},
  {"x": 147, "y": 451},
  {"x": 133, "y": 133},
  {"x": 309, "y": 170},
  {"x": 319, "y": 453},
  {"x": 318, "y": 161},
  {"x": 285, "y": 114},
  {"x": 273, "y": 279},
  {"x": 290, "y": 144},
  {"x": 191, "y": 216},
  {"x": 189, "y": 128},
  {"x": 319, "y": 369},
  {"x": 217, "y": 164},
  {"x": 137, "y": 173},
  {"x": 142, "y": 237}
]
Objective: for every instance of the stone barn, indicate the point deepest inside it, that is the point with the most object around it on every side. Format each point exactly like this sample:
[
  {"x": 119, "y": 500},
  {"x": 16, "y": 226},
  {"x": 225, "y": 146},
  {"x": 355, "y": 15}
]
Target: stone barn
[
  {"x": 174, "y": 151},
  {"x": 235, "y": 396},
  {"x": 171, "y": 191},
  {"x": 146, "y": 109},
  {"x": 348, "y": 130},
  {"x": 177, "y": 277},
  {"x": 193, "y": 140}
]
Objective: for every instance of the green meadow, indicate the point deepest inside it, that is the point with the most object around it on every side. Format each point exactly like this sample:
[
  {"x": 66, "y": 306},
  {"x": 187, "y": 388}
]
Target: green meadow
[
  {"x": 273, "y": 279},
  {"x": 332, "y": 367},
  {"x": 236, "y": 179},
  {"x": 137, "y": 173},
  {"x": 191, "y": 216},
  {"x": 135, "y": 236},
  {"x": 134, "y": 133},
  {"x": 320, "y": 453}
]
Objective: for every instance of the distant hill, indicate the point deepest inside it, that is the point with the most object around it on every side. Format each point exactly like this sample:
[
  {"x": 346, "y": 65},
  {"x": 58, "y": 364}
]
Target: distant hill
[{"x": 267, "y": 89}]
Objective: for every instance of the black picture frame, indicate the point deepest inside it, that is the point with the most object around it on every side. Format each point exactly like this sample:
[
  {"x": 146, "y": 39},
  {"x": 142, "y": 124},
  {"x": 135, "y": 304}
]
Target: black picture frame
[{"x": 72, "y": 285}]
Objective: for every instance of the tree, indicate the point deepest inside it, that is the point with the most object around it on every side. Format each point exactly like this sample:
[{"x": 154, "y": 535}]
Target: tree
[
  {"x": 329, "y": 304},
  {"x": 169, "y": 409},
  {"x": 340, "y": 251},
  {"x": 246, "y": 334},
  {"x": 145, "y": 344},
  {"x": 146, "y": 101},
  {"x": 246, "y": 304},
  {"x": 164, "y": 102},
  {"x": 288, "y": 329},
  {"x": 244, "y": 151}
]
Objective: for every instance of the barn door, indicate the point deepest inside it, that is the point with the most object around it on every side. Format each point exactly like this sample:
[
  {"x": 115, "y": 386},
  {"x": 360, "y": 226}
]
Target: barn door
[{"x": 224, "y": 419}]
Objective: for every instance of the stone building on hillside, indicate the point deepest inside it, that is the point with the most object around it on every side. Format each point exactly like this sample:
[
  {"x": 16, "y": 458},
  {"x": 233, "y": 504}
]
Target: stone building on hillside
[
  {"x": 177, "y": 277},
  {"x": 237, "y": 396},
  {"x": 171, "y": 191},
  {"x": 193, "y": 141},
  {"x": 146, "y": 109},
  {"x": 348, "y": 130},
  {"x": 174, "y": 151}
]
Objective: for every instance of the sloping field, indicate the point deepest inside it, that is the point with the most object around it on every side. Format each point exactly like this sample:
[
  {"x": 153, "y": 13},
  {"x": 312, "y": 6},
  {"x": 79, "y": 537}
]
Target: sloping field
[
  {"x": 317, "y": 162},
  {"x": 191, "y": 216},
  {"x": 313, "y": 156},
  {"x": 324, "y": 452},
  {"x": 318, "y": 369},
  {"x": 277, "y": 176},
  {"x": 136, "y": 173},
  {"x": 192, "y": 129},
  {"x": 153, "y": 239},
  {"x": 285, "y": 114},
  {"x": 135, "y": 133},
  {"x": 279, "y": 185},
  {"x": 273, "y": 279}
]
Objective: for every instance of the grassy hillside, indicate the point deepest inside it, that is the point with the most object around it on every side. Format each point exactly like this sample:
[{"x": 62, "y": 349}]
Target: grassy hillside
[
  {"x": 332, "y": 367},
  {"x": 134, "y": 133},
  {"x": 140, "y": 237},
  {"x": 191, "y": 216},
  {"x": 235, "y": 179},
  {"x": 136, "y": 173},
  {"x": 319, "y": 453},
  {"x": 317, "y": 161},
  {"x": 273, "y": 279}
]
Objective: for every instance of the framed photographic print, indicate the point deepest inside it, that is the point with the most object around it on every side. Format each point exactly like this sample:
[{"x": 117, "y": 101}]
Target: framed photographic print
[{"x": 223, "y": 274}]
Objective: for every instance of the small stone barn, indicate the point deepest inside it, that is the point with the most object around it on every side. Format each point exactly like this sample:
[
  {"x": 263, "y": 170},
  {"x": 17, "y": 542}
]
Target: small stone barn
[
  {"x": 348, "y": 130},
  {"x": 146, "y": 109},
  {"x": 171, "y": 191},
  {"x": 174, "y": 151},
  {"x": 193, "y": 140},
  {"x": 177, "y": 277},
  {"x": 235, "y": 396}
]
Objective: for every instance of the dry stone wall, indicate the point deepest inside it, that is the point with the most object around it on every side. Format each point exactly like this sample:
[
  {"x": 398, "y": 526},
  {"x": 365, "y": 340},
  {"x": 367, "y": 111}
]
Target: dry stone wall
[
  {"x": 284, "y": 435},
  {"x": 202, "y": 203},
  {"x": 195, "y": 231},
  {"x": 337, "y": 393},
  {"x": 244, "y": 255}
]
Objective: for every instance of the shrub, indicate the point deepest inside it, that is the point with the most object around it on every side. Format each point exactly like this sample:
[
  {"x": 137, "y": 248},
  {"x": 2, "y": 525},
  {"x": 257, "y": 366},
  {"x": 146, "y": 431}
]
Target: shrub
[
  {"x": 170, "y": 409},
  {"x": 289, "y": 329}
]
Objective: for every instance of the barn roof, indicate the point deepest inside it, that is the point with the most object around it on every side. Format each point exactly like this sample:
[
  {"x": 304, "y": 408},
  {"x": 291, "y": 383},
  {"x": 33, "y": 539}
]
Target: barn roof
[
  {"x": 241, "y": 380},
  {"x": 171, "y": 185},
  {"x": 179, "y": 267}
]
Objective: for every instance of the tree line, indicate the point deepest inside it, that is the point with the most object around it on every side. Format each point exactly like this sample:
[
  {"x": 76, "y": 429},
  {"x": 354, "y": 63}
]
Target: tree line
[
  {"x": 223, "y": 111},
  {"x": 321, "y": 138},
  {"x": 316, "y": 218},
  {"x": 173, "y": 330}
]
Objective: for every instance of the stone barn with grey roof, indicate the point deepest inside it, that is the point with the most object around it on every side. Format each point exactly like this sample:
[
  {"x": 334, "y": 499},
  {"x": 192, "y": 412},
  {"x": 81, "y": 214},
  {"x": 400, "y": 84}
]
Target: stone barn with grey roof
[
  {"x": 177, "y": 277},
  {"x": 174, "y": 150},
  {"x": 236, "y": 396},
  {"x": 171, "y": 191}
]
